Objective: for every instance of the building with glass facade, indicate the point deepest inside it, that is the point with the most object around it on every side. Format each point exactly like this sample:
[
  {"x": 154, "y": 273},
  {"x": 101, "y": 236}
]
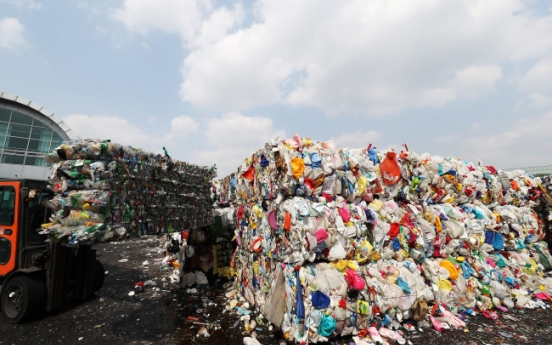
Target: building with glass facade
[{"x": 27, "y": 132}]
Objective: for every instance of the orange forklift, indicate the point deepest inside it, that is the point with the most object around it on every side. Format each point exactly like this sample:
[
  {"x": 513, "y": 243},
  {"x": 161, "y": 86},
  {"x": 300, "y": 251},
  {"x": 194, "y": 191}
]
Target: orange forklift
[{"x": 37, "y": 275}]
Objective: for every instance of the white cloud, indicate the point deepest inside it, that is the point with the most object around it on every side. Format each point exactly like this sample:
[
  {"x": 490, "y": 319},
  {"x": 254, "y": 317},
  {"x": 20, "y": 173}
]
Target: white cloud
[
  {"x": 196, "y": 21},
  {"x": 539, "y": 100},
  {"x": 115, "y": 128},
  {"x": 226, "y": 140},
  {"x": 475, "y": 80},
  {"x": 182, "y": 126},
  {"x": 235, "y": 137},
  {"x": 526, "y": 142},
  {"x": 445, "y": 138},
  {"x": 183, "y": 17},
  {"x": 237, "y": 129},
  {"x": 475, "y": 126},
  {"x": 359, "y": 57},
  {"x": 218, "y": 24},
  {"x": 472, "y": 81},
  {"x": 178, "y": 139},
  {"x": 538, "y": 77},
  {"x": 28, "y": 4},
  {"x": 11, "y": 34},
  {"x": 537, "y": 83},
  {"x": 355, "y": 140},
  {"x": 353, "y": 57}
]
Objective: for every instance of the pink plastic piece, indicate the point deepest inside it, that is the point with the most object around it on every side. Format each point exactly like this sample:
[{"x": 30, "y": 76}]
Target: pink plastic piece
[
  {"x": 436, "y": 324},
  {"x": 504, "y": 309},
  {"x": 542, "y": 295},
  {"x": 489, "y": 314},
  {"x": 389, "y": 334},
  {"x": 453, "y": 320},
  {"x": 491, "y": 262},
  {"x": 375, "y": 335}
]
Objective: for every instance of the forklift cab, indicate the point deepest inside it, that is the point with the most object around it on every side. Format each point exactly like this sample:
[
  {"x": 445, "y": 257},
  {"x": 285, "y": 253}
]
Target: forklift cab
[
  {"x": 7, "y": 222},
  {"x": 22, "y": 211}
]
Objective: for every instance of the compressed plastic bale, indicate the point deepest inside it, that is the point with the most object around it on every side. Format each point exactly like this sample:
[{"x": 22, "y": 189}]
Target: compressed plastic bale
[
  {"x": 449, "y": 266},
  {"x": 327, "y": 326},
  {"x": 392, "y": 293},
  {"x": 498, "y": 290},
  {"x": 84, "y": 176},
  {"x": 474, "y": 190}
]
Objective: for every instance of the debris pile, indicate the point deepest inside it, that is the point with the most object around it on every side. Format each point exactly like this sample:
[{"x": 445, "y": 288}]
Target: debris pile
[{"x": 332, "y": 241}]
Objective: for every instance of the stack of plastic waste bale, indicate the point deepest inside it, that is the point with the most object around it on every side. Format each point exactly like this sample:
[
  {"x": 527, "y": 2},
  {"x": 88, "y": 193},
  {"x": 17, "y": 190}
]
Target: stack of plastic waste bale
[
  {"x": 544, "y": 207},
  {"x": 333, "y": 240},
  {"x": 207, "y": 252},
  {"x": 223, "y": 248},
  {"x": 105, "y": 190}
]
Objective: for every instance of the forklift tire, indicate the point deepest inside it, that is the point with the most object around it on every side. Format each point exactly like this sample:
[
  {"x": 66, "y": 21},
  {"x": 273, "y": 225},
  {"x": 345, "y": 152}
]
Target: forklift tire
[
  {"x": 99, "y": 275},
  {"x": 22, "y": 298}
]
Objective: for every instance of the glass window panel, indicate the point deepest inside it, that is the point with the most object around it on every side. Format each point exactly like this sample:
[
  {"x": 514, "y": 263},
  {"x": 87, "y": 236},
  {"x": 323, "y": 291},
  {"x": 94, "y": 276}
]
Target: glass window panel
[
  {"x": 37, "y": 214},
  {"x": 37, "y": 123},
  {"x": 56, "y": 137},
  {"x": 41, "y": 133},
  {"x": 3, "y": 128},
  {"x": 35, "y": 161},
  {"x": 39, "y": 146},
  {"x": 54, "y": 145},
  {"x": 12, "y": 159},
  {"x": 19, "y": 131},
  {"x": 5, "y": 114},
  {"x": 21, "y": 118},
  {"x": 18, "y": 134},
  {"x": 5, "y": 250},
  {"x": 7, "y": 205},
  {"x": 17, "y": 143}
]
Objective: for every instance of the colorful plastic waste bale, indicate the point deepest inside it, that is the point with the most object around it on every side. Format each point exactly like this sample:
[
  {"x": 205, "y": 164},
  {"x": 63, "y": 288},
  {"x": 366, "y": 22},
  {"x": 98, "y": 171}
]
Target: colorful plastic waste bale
[
  {"x": 378, "y": 235},
  {"x": 105, "y": 190},
  {"x": 543, "y": 198}
]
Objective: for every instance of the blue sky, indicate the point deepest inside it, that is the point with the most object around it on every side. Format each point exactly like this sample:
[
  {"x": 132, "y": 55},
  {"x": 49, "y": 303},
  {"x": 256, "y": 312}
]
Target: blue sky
[{"x": 214, "y": 80}]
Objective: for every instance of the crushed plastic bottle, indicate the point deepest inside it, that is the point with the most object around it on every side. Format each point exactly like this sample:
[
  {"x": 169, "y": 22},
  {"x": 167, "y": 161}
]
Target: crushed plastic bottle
[{"x": 250, "y": 341}]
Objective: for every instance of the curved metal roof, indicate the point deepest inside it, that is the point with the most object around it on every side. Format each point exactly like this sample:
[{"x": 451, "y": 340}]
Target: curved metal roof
[{"x": 60, "y": 127}]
